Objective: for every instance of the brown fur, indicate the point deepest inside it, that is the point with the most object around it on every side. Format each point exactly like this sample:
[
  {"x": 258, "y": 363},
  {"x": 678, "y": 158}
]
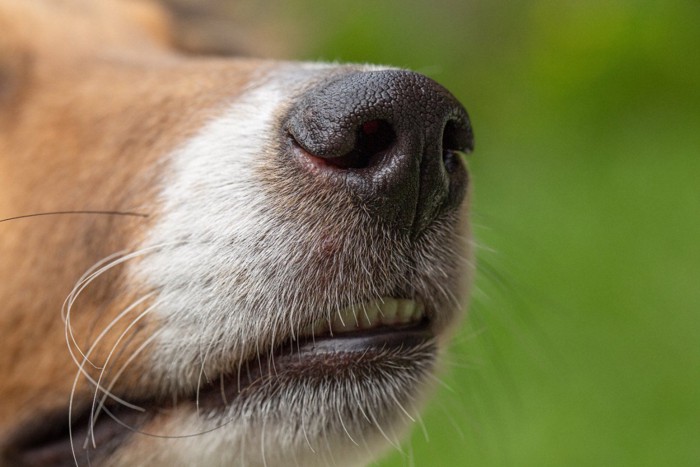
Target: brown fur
[{"x": 55, "y": 113}]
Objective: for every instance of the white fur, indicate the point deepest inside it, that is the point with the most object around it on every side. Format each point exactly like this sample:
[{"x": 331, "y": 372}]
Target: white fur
[
  {"x": 215, "y": 205},
  {"x": 237, "y": 276}
]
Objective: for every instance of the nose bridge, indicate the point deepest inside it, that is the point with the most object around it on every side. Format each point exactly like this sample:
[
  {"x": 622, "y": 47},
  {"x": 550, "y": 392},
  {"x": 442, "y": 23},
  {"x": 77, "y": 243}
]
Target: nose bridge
[{"x": 386, "y": 133}]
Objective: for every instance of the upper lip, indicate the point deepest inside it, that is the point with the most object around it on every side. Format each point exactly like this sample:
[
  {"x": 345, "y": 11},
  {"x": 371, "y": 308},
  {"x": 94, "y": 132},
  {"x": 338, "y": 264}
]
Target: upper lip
[{"x": 385, "y": 311}]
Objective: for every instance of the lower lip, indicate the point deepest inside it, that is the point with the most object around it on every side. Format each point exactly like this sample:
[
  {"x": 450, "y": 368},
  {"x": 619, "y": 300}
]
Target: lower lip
[
  {"x": 318, "y": 357},
  {"x": 349, "y": 355}
]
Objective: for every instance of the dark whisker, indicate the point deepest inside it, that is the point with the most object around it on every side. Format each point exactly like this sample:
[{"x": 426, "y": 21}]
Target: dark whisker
[{"x": 58, "y": 213}]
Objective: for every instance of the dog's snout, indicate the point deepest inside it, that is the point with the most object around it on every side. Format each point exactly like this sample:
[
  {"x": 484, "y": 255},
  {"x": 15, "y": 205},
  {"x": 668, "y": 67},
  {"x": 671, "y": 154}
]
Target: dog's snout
[{"x": 392, "y": 138}]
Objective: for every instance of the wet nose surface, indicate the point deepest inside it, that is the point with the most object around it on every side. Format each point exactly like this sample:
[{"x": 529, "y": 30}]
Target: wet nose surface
[{"x": 392, "y": 138}]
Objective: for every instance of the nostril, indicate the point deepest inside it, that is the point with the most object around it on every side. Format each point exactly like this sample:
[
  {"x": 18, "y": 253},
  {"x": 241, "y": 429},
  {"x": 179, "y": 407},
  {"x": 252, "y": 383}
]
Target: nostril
[
  {"x": 456, "y": 139},
  {"x": 372, "y": 138}
]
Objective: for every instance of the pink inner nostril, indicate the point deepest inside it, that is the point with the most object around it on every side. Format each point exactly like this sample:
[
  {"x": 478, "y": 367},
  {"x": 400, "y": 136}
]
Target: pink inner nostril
[{"x": 372, "y": 139}]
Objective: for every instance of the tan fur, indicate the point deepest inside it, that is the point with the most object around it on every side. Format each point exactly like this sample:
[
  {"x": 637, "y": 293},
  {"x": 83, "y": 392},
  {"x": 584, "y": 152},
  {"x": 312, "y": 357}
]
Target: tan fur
[{"x": 54, "y": 156}]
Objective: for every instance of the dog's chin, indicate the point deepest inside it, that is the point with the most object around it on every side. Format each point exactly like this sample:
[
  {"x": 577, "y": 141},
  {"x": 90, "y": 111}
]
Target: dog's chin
[
  {"x": 336, "y": 398},
  {"x": 337, "y": 392}
]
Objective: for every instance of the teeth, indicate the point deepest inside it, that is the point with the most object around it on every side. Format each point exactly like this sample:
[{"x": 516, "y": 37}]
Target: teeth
[{"x": 384, "y": 312}]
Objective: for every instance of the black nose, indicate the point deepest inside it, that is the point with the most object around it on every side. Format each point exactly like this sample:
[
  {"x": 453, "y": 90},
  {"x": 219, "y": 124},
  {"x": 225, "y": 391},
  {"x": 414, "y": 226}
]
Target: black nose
[{"x": 392, "y": 138}]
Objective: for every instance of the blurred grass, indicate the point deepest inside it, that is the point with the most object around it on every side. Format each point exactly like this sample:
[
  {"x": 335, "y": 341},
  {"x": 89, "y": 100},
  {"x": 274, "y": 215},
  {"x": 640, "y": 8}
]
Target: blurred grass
[{"x": 582, "y": 345}]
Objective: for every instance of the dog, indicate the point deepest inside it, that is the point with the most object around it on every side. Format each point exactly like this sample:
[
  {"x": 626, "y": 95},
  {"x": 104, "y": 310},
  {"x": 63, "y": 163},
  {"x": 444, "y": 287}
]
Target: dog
[{"x": 217, "y": 261}]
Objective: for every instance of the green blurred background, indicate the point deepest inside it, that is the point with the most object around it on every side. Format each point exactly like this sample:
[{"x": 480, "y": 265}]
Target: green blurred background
[{"x": 582, "y": 346}]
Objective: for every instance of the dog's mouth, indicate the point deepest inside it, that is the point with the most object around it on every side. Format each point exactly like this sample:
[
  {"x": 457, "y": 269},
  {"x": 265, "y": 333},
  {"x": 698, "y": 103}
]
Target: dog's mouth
[
  {"x": 353, "y": 338},
  {"x": 347, "y": 344}
]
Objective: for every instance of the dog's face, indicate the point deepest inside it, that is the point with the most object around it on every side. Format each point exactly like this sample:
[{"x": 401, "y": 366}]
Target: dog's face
[{"x": 281, "y": 253}]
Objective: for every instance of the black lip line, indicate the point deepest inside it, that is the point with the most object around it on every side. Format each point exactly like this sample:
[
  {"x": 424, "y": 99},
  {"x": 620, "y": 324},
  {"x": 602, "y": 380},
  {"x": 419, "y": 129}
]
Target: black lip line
[{"x": 406, "y": 334}]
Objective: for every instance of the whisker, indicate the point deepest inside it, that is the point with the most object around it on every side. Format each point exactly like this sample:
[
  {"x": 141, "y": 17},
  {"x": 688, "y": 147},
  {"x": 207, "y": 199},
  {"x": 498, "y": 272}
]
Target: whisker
[
  {"x": 303, "y": 430},
  {"x": 65, "y": 307},
  {"x": 109, "y": 327},
  {"x": 223, "y": 391},
  {"x": 162, "y": 436},
  {"x": 82, "y": 371},
  {"x": 342, "y": 423},
  {"x": 421, "y": 423},
  {"x": 392, "y": 442},
  {"x": 89, "y": 271},
  {"x": 80, "y": 212},
  {"x": 109, "y": 356},
  {"x": 80, "y": 286},
  {"x": 159, "y": 436},
  {"x": 396, "y": 401},
  {"x": 201, "y": 373},
  {"x": 118, "y": 374},
  {"x": 441, "y": 382}
]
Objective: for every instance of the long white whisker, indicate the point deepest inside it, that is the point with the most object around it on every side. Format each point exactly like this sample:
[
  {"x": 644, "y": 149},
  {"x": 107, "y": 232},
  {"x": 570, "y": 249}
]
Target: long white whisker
[
  {"x": 82, "y": 371},
  {"x": 87, "y": 273},
  {"x": 85, "y": 282},
  {"x": 106, "y": 330},
  {"x": 109, "y": 356},
  {"x": 70, "y": 299},
  {"x": 126, "y": 364}
]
